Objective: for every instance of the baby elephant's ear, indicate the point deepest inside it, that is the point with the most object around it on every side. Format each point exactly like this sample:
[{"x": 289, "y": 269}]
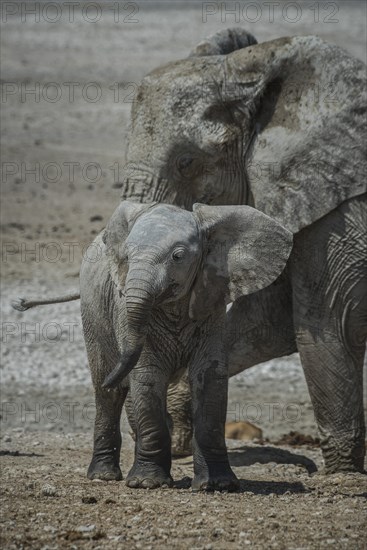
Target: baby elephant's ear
[
  {"x": 115, "y": 235},
  {"x": 244, "y": 251},
  {"x": 121, "y": 223}
]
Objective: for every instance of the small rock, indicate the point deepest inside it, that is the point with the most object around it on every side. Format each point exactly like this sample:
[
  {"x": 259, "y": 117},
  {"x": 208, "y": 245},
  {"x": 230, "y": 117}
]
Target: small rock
[
  {"x": 89, "y": 500},
  {"x": 85, "y": 528},
  {"x": 7, "y": 438},
  {"x": 49, "y": 491},
  {"x": 50, "y": 529},
  {"x": 98, "y": 535}
]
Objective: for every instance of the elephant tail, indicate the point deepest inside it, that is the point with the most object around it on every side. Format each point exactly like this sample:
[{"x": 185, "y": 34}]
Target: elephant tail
[
  {"x": 224, "y": 42},
  {"x": 22, "y": 304}
]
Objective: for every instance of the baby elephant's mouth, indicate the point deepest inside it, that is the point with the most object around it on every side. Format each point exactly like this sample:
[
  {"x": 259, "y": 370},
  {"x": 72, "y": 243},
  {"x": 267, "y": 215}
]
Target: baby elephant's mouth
[{"x": 170, "y": 294}]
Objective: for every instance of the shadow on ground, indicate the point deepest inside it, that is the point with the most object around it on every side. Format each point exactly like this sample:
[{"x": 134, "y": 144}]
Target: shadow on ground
[
  {"x": 247, "y": 456},
  {"x": 17, "y": 453},
  {"x": 256, "y": 487}
]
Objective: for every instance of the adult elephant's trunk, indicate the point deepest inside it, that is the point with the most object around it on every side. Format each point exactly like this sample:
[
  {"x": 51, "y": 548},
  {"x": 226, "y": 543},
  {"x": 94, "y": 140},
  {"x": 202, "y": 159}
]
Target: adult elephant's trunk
[{"x": 139, "y": 302}]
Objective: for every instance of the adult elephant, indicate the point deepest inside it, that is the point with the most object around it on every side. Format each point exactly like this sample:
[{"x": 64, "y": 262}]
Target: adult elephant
[{"x": 280, "y": 126}]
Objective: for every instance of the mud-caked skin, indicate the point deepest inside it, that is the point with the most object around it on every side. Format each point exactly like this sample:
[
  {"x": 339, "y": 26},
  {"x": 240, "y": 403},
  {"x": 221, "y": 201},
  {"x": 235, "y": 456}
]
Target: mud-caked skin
[
  {"x": 279, "y": 125},
  {"x": 155, "y": 303}
]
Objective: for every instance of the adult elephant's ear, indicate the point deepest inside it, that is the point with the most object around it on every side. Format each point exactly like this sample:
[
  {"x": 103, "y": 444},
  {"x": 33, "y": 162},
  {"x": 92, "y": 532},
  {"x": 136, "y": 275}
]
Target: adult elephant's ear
[
  {"x": 115, "y": 235},
  {"x": 301, "y": 104},
  {"x": 244, "y": 251}
]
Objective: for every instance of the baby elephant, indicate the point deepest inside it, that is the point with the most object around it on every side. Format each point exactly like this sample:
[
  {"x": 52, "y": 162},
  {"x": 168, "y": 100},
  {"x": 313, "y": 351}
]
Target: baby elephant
[{"x": 154, "y": 304}]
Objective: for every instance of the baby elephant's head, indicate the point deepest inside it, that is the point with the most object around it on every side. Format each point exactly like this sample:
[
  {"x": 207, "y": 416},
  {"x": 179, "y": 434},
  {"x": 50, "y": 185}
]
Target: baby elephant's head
[{"x": 160, "y": 253}]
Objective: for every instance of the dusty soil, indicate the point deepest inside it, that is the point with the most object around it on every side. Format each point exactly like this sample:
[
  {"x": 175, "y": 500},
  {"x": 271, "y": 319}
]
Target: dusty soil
[
  {"x": 51, "y": 210},
  {"x": 48, "y": 503}
]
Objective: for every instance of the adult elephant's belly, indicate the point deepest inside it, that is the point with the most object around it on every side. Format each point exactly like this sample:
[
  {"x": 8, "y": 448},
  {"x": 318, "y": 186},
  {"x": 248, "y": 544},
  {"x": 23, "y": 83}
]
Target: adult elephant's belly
[{"x": 260, "y": 326}]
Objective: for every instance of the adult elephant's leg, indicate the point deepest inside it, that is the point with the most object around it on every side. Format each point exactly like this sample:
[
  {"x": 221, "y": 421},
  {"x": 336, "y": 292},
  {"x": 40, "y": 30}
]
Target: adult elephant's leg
[
  {"x": 148, "y": 389},
  {"x": 180, "y": 414},
  {"x": 329, "y": 275}
]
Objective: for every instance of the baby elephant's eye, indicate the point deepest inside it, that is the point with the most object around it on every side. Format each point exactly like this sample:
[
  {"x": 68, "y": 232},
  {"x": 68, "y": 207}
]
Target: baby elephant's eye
[
  {"x": 178, "y": 254},
  {"x": 188, "y": 165},
  {"x": 184, "y": 161}
]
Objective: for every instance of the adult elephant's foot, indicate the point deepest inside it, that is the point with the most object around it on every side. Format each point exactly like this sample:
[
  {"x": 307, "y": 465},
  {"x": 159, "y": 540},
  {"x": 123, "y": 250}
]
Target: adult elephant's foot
[
  {"x": 219, "y": 478},
  {"x": 345, "y": 453},
  {"x": 105, "y": 469},
  {"x": 145, "y": 475}
]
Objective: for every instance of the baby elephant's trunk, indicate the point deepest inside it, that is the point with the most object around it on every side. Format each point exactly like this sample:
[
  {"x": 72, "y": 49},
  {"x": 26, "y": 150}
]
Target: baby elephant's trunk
[{"x": 139, "y": 302}]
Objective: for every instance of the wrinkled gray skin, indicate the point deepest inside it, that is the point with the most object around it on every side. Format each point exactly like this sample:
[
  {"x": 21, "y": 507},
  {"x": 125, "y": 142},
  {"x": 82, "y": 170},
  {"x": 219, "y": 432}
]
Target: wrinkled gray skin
[
  {"x": 280, "y": 126},
  {"x": 148, "y": 313}
]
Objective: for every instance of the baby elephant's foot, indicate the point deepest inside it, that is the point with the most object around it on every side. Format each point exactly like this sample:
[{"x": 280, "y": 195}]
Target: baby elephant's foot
[
  {"x": 145, "y": 475},
  {"x": 105, "y": 469},
  {"x": 221, "y": 478}
]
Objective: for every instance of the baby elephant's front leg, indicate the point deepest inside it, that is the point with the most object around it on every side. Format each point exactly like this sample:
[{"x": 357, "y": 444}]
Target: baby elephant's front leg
[
  {"x": 209, "y": 386},
  {"x": 152, "y": 464}
]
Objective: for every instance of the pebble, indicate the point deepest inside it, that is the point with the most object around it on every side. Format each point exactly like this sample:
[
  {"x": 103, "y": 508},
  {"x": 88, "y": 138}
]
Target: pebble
[
  {"x": 49, "y": 529},
  {"x": 49, "y": 491},
  {"x": 85, "y": 528},
  {"x": 89, "y": 500}
]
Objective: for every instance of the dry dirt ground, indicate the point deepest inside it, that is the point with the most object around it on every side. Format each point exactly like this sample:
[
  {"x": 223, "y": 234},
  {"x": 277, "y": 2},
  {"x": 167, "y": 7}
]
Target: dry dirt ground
[{"x": 67, "y": 88}]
